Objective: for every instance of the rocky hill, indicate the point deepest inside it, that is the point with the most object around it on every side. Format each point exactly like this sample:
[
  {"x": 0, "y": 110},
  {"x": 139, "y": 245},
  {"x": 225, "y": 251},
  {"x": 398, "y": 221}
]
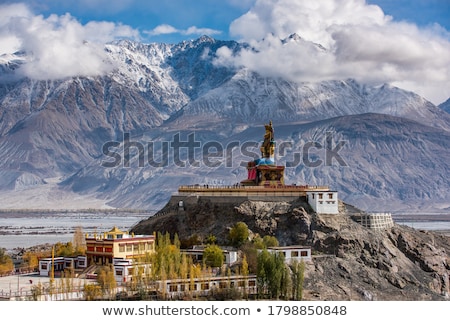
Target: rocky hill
[{"x": 350, "y": 262}]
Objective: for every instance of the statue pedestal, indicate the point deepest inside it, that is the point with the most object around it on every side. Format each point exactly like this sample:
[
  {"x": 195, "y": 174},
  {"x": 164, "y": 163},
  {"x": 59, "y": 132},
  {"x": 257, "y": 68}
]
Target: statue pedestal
[
  {"x": 264, "y": 175},
  {"x": 270, "y": 175}
]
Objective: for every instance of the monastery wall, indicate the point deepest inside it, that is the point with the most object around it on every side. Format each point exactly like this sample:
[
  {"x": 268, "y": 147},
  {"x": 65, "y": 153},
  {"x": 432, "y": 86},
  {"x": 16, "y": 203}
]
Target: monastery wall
[
  {"x": 377, "y": 221},
  {"x": 231, "y": 199}
]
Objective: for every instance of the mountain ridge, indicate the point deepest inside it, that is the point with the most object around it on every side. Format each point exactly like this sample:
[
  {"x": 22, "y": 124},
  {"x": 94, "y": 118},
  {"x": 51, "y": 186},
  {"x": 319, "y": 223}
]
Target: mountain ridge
[{"x": 57, "y": 128}]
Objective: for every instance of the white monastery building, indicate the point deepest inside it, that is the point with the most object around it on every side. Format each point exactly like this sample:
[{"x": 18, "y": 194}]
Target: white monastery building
[{"x": 323, "y": 202}]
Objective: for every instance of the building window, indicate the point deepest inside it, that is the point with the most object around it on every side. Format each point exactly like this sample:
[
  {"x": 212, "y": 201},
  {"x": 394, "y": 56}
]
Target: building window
[
  {"x": 252, "y": 283},
  {"x": 129, "y": 248},
  {"x": 294, "y": 254},
  {"x": 205, "y": 286},
  {"x": 173, "y": 288},
  {"x": 303, "y": 253},
  {"x": 320, "y": 196},
  {"x": 44, "y": 266},
  {"x": 121, "y": 248},
  {"x": 119, "y": 272},
  {"x": 330, "y": 196}
]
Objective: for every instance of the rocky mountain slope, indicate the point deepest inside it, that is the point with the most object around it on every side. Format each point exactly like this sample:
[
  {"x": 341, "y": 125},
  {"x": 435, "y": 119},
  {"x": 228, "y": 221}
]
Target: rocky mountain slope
[
  {"x": 385, "y": 163},
  {"x": 350, "y": 262},
  {"x": 55, "y": 131},
  {"x": 445, "y": 105}
]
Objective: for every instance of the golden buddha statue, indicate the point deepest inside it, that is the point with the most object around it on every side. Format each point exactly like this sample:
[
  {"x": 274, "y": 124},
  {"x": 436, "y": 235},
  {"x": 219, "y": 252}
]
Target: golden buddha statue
[{"x": 268, "y": 145}]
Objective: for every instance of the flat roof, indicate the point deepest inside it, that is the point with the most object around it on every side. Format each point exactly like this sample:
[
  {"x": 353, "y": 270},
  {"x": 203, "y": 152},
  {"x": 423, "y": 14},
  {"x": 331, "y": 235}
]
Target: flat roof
[{"x": 289, "y": 247}]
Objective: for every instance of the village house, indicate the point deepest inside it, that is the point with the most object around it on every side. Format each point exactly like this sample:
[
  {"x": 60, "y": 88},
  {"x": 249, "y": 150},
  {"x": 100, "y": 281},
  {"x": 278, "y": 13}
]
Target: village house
[
  {"x": 60, "y": 264},
  {"x": 292, "y": 253},
  {"x": 126, "y": 269},
  {"x": 102, "y": 248},
  {"x": 230, "y": 256}
]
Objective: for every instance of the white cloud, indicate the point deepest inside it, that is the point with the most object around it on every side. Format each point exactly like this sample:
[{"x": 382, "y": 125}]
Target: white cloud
[
  {"x": 200, "y": 31},
  {"x": 165, "y": 29},
  {"x": 360, "y": 42},
  {"x": 59, "y": 46}
]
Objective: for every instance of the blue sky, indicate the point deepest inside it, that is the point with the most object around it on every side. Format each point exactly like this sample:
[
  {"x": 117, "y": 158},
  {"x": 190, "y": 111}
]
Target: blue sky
[
  {"x": 405, "y": 43},
  {"x": 211, "y": 16}
]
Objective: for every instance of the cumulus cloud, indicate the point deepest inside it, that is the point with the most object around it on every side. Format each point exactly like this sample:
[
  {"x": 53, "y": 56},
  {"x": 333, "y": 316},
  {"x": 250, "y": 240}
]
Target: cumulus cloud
[
  {"x": 342, "y": 39},
  {"x": 165, "y": 29},
  {"x": 57, "y": 46}
]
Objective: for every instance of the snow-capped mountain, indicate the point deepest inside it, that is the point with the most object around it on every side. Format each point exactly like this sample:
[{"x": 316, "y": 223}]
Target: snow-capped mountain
[
  {"x": 396, "y": 142},
  {"x": 445, "y": 106}
]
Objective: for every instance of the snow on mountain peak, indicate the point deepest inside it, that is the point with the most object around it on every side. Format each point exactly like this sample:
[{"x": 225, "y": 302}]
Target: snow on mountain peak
[{"x": 59, "y": 127}]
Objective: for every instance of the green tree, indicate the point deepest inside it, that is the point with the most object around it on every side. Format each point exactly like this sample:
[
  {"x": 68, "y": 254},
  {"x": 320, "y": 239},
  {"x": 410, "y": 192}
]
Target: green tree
[
  {"x": 270, "y": 241},
  {"x": 264, "y": 242},
  {"x": 211, "y": 239},
  {"x": 251, "y": 253},
  {"x": 271, "y": 274},
  {"x": 191, "y": 241},
  {"x": 213, "y": 256},
  {"x": 285, "y": 283},
  {"x": 244, "y": 272},
  {"x": 167, "y": 257},
  {"x": 64, "y": 249},
  {"x": 298, "y": 277},
  {"x": 238, "y": 234},
  {"x": 258, "y": 242}
]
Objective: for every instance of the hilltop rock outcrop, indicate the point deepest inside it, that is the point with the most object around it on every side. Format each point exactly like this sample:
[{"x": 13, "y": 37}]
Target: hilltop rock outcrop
[{"x": 350, "y": 262}]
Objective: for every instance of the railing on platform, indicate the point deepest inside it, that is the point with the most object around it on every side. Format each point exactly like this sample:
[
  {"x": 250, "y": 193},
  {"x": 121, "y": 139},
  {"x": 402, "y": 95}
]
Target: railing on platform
[{"x": 195, "y": 188}]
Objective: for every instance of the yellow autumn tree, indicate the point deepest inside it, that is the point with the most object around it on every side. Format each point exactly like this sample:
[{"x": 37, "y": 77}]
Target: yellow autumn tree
[{"x": 6, "y": 263}]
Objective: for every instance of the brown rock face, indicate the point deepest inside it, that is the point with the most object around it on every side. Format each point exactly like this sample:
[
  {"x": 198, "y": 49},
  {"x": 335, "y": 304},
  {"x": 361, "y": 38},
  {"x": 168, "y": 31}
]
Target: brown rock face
[{"x": 350, "y": 262}]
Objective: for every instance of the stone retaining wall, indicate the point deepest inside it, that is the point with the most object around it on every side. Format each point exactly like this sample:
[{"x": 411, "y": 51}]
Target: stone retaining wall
[{"x": 376, "y": 221}]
